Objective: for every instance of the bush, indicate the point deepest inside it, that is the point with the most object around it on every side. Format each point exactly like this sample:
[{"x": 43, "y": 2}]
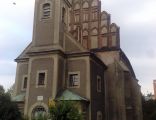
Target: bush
[
  {"x": 8, "y": 109},
  {"x": 65, "y": 110}
]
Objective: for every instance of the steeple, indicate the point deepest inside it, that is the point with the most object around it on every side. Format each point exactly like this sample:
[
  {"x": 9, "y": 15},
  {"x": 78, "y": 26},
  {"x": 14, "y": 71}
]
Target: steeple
[{"x": 50, "y": 21}]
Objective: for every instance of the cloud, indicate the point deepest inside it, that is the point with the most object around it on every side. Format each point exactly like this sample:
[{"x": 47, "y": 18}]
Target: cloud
[
  {"x": 7, "y": 81},
  {"x": 7, "y": 67}
]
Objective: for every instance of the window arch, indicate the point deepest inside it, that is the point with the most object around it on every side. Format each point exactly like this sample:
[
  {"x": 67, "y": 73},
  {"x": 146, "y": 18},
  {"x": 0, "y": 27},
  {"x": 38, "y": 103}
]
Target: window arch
[
  {"x": 104, "y": 30},
  {"x": 104, "y": 16},
  {"x": 94, "y": 32},
  {"x": 46, "y": 10},
  {"x": 85, "y": 5},
  {"x": 113, "y": 29},
  {"x": 77, "y": 6},
  {"x": 85, "y": 33},
  {"x": 94, "y": 3},
  {"x": 38, "y": 111}
]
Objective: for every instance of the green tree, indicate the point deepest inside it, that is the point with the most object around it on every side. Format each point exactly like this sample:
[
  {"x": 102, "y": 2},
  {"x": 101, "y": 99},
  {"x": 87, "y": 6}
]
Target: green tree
[
  {"x": 8, "y": 109},
  {"x": 65, "y": 110},
  {"x": 1, "y": 90}
]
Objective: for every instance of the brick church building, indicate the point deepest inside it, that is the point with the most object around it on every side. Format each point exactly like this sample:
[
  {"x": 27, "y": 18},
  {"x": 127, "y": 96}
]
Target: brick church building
[{"x": 75, "y": 54}]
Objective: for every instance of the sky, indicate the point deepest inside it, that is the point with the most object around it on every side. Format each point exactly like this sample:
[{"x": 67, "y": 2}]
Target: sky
[{"x": 136, "y": 19}]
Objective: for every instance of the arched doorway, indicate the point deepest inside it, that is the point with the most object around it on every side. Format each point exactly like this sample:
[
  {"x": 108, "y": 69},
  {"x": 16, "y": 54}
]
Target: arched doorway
[{"x": 38, "y": 111}]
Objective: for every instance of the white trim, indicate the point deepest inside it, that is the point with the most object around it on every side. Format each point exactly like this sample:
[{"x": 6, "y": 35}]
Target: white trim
[
  {"x": 37, "y": 78},
  {"x": 70, "y": 73}
]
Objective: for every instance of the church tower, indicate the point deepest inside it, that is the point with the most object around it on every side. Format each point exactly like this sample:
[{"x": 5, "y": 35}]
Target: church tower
[
  {"x": 50, "y": 21},
  {"x": 40, "y": 67}
]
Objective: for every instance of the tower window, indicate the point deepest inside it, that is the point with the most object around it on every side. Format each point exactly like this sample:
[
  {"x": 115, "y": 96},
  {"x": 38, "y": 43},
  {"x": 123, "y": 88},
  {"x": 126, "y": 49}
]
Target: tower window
[
  {"x": 25, "y": 79},
  {"x": 46, "y": 11},
  {"x": 74, "y": 79},
  {"x": 41, "y": 78},
  {"x": 63, "y": 15},
  {"x": 99, "y": 84}
]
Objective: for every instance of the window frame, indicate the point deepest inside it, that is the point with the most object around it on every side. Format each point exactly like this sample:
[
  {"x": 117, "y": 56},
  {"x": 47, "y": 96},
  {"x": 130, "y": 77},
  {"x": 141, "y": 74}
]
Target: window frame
[
  {"x": 99, "y": 84},
  {"x": 72, "y": 73},
  {"x": 23, "y": 82},
  {"x": 42, "y": 17},
  {"x": 45, "y": 78}
]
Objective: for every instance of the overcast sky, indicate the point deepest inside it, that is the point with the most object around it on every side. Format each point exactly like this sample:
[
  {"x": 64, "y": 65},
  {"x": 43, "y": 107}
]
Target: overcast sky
[{"x": 136, "y": 19}]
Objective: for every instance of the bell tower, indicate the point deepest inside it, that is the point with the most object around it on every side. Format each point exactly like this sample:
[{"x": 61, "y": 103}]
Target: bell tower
[{"x": 50, "y": 21}]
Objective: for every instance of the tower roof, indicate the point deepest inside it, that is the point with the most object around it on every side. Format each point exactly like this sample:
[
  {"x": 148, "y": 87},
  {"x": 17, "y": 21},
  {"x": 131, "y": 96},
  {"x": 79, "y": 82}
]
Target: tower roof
[{"x": 69, "y": 95}]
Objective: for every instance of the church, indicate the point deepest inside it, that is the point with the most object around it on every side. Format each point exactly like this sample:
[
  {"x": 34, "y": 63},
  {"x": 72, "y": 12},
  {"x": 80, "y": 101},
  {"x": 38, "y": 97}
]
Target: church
[{"x": 75, "y": 55}]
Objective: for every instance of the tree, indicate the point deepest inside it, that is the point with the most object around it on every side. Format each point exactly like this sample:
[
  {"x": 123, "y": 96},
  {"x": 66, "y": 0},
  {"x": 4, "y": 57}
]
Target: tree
[
  {"x": 1, "y": 90},
  {"x": 8, "y": 109},
  {"x": 65, "y": 110},
  {"x": 149, "y": 109}
]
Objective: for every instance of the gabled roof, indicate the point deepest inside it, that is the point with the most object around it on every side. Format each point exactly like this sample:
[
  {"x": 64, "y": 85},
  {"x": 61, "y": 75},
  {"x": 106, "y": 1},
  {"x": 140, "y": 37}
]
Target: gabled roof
[
  {"x": 23, "y": 55},
  {"x": 69, "y": 95}
]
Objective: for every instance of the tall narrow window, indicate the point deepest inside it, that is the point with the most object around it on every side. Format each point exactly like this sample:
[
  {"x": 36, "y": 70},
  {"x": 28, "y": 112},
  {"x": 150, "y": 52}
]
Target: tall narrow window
[
  {"x": 85, "y": 39},
  {"x": 41, "y": 78},
  {"x": 77, "y": 18},
  {"x": 85, "y": 16},
  {"x": 46, "y": 11},
  {"x": 94, "y": 15},
  {"x": 63, "y": 15},
  {"x": 25, "y": 82},
  {"x": 99, "y": 84},
  {"x": 24, "y": 85}
]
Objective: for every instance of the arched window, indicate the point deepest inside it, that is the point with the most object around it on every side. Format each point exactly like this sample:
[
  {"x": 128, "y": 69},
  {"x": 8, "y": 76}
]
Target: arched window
[
  {"x": 85, "y": 16},
  {"x": 38, "y": 111},
  {"x": 94, "y": 38},
  {"x": 94, "y": 3},
  {"x": 104, "y": 16},
  {"x": 113, "y": 29},
  {"x": 94, "y": 15},
  {"x": 85, "y": 33},
  {"x": 94, "y": 32},
  {"x": 46, "y": 11},
  {"x": 104, "y": 30},
  {"x": 76, "y": 7},
  {"x": 63, "y": 15},
  {"x": 85, "y": 5},
  {"x": 77, "y": 17}
]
